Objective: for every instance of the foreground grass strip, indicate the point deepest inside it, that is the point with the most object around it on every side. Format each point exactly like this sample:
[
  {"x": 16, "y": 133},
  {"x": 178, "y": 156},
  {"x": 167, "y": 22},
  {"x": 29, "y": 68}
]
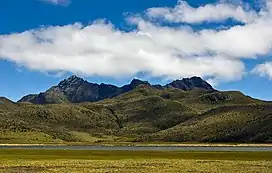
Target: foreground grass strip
[
  {"x": 19, "y": 160},
  {"x": 33, "y": 154}
]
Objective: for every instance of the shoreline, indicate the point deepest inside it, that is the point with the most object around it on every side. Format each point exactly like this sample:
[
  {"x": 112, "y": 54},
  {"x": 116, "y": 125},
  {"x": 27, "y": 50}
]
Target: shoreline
[{"x": 138, "y": 145}]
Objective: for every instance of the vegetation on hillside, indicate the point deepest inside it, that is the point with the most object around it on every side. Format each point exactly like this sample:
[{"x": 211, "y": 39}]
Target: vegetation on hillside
[{"x": 143, "y": 114}]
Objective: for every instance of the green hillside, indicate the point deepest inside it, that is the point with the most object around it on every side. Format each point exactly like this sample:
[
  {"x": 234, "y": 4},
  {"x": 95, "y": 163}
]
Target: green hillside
[{"x": 145, "y": 114}]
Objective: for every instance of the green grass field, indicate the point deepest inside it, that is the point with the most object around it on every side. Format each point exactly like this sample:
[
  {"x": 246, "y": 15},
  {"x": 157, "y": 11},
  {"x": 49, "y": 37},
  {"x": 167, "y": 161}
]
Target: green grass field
[{"x": 19, "y": 160}]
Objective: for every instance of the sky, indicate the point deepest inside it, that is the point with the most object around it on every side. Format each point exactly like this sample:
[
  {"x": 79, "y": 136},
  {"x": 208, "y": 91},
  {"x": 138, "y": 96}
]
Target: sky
[{"x": 226, "y": 42}]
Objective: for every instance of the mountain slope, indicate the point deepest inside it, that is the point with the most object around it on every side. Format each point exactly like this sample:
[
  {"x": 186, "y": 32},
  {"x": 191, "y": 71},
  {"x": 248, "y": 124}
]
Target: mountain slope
[
  {"x": 244, "y": 123},
  {"x": 4, "y": 101},
  {"x": 6, "y": 104},
  {"x": 138, "y": 112}
]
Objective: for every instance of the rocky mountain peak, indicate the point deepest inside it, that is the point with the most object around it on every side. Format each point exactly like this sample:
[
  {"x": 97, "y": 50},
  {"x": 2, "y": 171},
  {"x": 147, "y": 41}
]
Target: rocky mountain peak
[
  {"x": 190, "y": 83},
  {"x": 136, "y": 82},
  {"x": 133, "y": 84},
  {"x": 71, "y": 81},
  {"x": 76, "y": 90}
]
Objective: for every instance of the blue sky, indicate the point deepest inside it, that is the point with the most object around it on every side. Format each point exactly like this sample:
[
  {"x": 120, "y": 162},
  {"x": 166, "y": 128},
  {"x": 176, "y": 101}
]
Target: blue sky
[{"x": 153, "y": 48}]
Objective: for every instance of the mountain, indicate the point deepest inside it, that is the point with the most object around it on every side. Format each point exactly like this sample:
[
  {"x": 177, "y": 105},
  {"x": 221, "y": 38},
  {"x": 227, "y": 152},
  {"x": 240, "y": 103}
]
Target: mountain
[
  {"x": 143, "y": 113},
  {"x": 4, "y": 100},
  {"x": 187, "y": 84},
  {"x": 187, "y": 110},
  {"x": 77, "y": 90},
  {"x": 6, "y": 103}
]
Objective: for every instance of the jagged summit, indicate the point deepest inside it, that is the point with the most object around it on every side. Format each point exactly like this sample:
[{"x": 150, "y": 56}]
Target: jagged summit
[
  {"x": 187, "y": 84},
  {"x": 134, "y": 84},
  {"x": 72, "y": 80},
  {"x": 75, "y": 89},
  {"x": 137, "y": 82}
]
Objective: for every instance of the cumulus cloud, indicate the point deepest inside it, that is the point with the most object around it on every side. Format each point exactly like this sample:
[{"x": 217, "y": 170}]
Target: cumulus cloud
[
  {"x": 183, "y": 12},
  {"x": 100, "y": 49},
  {"x": 58, "y": 2},
  {"x": 263, "y": 70},
  {"x": 160, "y": 51}
]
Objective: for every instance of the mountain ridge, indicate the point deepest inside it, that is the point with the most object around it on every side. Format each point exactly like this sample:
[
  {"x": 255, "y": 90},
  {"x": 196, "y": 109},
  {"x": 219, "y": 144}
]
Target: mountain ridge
[
  {"x": 146, "y": 113},
  {"x": 77, "y": 90}
]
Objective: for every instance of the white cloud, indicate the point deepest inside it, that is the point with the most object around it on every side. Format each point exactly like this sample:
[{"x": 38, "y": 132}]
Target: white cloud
[
  {"x": 238, "y": 41},
  {"x": 263, "y": 70},
  {"x": 161, "y": 51},
  {"x": 58, "y": 2},
  {"x": 100, "y": 49},
  {"x": 183, "y": 12}
]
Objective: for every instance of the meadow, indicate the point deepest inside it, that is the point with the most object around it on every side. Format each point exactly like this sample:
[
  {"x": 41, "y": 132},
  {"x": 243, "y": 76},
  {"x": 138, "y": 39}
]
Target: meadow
[{"x": 19, "y": 160}]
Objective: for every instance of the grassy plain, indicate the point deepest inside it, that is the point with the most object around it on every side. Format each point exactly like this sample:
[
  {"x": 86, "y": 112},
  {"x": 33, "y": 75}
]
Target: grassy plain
[{"x": 19, "y": 160}]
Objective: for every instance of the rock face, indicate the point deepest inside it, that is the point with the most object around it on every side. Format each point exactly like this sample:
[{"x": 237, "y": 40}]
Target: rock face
[
  {"x": 76, "y": 90},
  {"x": 187, "y": 84},
  {"x": 216, "y": 97}
]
